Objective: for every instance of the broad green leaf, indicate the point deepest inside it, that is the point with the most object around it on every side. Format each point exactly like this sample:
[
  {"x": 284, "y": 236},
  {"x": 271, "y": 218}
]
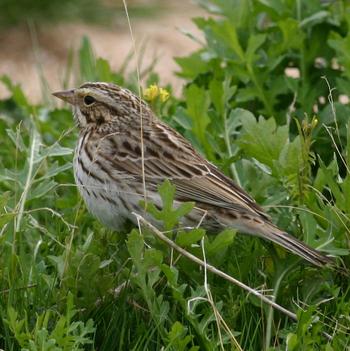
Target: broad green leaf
[
  {"x": 216, "y": 91},
  {"x": 235, "y": 119},
  {"x": 187, "y": 238},
  {"x": 182, "y": 119},
  {"x": 17, "y": 94},
  {"x": 292, "y": 341},
  {"x": 87, "y": 61},
  {"x": 293, "y": 36},
  {"x": 103, "y": 70},
  {"x": 254, "y": 43},
  {"x": 247, "y": 93},
  {"x": 220, "y": 94},
  {"x": 179, "y": 339},
  {"x": 152, "y": 257},
  {"x": 169, "y": 215},
  {"x": 221, "y": 241},
  {"x": 191, "y": 66},
  {"x": 262, "y": 139},
  {"x": 290, "y": 158},
  {"x": 171, "y": 273},
  {"x": 197, "y": 108},
  {"x": 6, "y": 218},
  {"x": 135, "y": 247},
  {"x": 227, "y": 32}
]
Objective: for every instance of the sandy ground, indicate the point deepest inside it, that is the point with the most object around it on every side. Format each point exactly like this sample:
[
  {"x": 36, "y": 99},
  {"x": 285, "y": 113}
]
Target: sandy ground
[{"x": 24, "y": 56}]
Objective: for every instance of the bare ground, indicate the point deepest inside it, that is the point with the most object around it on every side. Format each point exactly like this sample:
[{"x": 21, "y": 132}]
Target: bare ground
[{"x": 24, "y": 54}]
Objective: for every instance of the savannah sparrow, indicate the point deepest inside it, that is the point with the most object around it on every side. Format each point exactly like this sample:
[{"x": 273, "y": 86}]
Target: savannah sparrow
[{"x": 109, "y": 170}]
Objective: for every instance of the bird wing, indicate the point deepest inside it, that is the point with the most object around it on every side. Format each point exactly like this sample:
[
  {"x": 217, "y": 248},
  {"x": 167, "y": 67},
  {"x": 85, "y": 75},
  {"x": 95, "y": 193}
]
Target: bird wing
[{"x": 167, "y": 155}]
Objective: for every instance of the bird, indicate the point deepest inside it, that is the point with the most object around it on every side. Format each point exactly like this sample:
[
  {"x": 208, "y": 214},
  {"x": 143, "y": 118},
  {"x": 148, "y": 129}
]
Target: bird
[{"x": 124, "y": 152}]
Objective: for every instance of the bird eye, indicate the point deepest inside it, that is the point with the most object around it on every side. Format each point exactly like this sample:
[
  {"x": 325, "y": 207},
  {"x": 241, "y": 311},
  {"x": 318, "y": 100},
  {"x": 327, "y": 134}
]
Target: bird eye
[{"x": 89, "y": 100}]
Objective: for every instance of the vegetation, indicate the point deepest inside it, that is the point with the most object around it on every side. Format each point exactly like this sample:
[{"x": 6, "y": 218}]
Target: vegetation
[
  {"x": 68, "y": 283},
  {"x": 43, "y": 12}
]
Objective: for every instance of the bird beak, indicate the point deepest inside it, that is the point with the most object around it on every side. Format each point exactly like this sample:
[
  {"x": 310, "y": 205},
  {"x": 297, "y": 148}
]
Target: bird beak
[{"x": 66, "y": 95}]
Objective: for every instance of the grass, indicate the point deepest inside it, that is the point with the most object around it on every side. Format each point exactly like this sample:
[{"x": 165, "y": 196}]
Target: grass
[{"x": 68, "y": 283}]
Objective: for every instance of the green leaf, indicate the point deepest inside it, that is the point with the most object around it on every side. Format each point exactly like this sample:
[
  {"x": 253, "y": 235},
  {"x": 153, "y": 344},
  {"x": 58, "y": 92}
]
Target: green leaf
[
  {"x": 293, "y": 36},
  {"x": 277, "y": 5},
  {"x": 221, "y": 241},
  {"x": 103, "y": 70},
  {"x": 197, "y": 109},
  {"x": 41, "y": 189},
  {"x": 152, "y": 258},
  {"x": 314, "y": 19},
  {"x": 191, "y": 66},
  {"x": 187, "y": 238},
  {"x": 17, "y": 94},
  {"x": 87, "y": 61},
  {"x": 292, "y": 341},
  {"x": 217, "y": 96},
  {"x": 17, "y": 139},
  {"x": 226, "y": 32},
  {"x": 4, "y": 199},
  {"x": 6, "y": 218},
  {"x": 235, "y": 119},
  {"x": 262, "y": 139},
  {"x": 169, "y": 215},
  {"x": 254, "y": 43},
  {"x": 290, "y": 158},
  {"x": 342, "y": 47},
  {"x": 56, "y": 150},
  {"x": 179, "y": 339},
  {"x": 182, "y": 119},
  {"x": 220, "y": 94},
  {"x": 326, "y": 176},
  {"x": 54, "y": 170},
  {"x": 171, "y": 273},
  {"x": 135, "y": 246}
]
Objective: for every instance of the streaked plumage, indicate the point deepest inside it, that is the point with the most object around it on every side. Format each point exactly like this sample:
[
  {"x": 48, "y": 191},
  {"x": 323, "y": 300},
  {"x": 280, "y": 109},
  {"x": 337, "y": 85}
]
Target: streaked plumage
[{"x": 108, "y": 169}]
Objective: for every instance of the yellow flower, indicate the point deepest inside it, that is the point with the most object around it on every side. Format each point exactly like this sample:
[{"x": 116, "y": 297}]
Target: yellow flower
[
  {"x": 163, "y": 94},
  {"x": 152, "y": 92}
]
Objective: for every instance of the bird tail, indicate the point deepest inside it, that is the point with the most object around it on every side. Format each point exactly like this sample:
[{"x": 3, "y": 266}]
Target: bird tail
[{"x": 270, "y": 232}]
